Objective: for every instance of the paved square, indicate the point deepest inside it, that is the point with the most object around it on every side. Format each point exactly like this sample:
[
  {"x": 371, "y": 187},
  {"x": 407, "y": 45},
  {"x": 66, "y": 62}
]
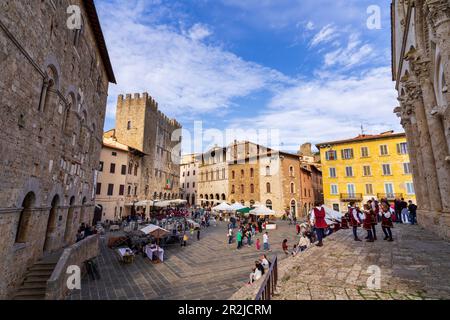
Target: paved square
[{"x": 205, "y": 269}]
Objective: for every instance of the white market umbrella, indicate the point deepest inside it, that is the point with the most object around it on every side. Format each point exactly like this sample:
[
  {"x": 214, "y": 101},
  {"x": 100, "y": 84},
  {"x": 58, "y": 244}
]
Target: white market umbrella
[
  {"x": 223, "y": 207},
  {"x": 155, "y": 231},
  {"x": 262, "y": 211},
  {"x": 162, "y": 204},
  {"x": 178, "y": 201},
  {"x": 237, "y": 206}
]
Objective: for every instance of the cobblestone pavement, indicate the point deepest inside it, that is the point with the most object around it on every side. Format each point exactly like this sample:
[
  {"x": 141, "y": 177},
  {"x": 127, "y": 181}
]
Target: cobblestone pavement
[
  {"x": 415, "y": 266},
  {"x": 205, "y": 269}
]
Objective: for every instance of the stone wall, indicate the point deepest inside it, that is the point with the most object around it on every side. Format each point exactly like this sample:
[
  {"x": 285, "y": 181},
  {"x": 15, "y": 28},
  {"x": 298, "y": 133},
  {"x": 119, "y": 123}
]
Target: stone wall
[
  {"x": 53, "y": 100},
  {"x": 75, "y": 255}
]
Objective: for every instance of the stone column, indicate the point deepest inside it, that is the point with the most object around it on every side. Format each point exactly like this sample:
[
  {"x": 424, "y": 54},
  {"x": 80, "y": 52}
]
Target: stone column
[
  {"x": 409, "y": 123},
  {"x": 424, "y": 151},
  {"x": 421, "y": 69}
]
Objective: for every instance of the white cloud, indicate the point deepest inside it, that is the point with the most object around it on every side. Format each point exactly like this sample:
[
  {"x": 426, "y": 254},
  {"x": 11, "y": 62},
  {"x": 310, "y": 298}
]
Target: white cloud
[
  {"x": 199, "y": 32},
  {"x": 331, "y": 108},
  {"x": 310, "y": 25},
  {"x": 326, "y": 34},
  {"x": 353, "y": 54},
  {"x": 185, "y": 75}
]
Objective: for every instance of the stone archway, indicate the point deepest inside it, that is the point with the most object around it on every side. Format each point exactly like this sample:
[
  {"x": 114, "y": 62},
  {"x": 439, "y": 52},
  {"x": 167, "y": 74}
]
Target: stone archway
[
  {"x": 51, "y": 224},
  {"x": 24, "y": 224}
]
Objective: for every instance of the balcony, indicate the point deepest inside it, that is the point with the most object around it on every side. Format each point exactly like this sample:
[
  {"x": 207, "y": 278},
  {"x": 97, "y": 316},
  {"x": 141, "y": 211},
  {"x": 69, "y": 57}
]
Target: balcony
[
  {"x": 351, "y": 197},
  {"x": 389, "y": 196}
]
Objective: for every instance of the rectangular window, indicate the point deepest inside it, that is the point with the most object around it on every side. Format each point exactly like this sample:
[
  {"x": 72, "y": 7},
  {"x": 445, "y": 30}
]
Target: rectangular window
[
  {"x": 389, "y": 189},
  {"x": 369, "y": 189},
  {"x": 331, "y": 155},
  {"x": 364, "y": 152},
  {"x": 98, "y": 190},
  {"x": 410, "y": 188},
  {"x": 114, "y": 154},
  {"x": 110, "y": 189},
  {"x": 101, "y": 166},
  {"x": 386, "y": 170},
  {"x": 351, "y": 189},
  {"x": 193, "y": 184},
  {"x": 406, "y": 168},
  {"x": 112, "y": 169},
  {"x": 121, "y": 190},
  {"x": 384, "y": 150},
  {"x": 332, "y": 172},
  {"x": 124, "y": 169},
  {"x": 349, "y": 171},
  {"x": 402, "y": 148},
  {"x": 347, "y": 154},
  {"x": 367, "y": 171},
  {"x": 334, "y": 189}
]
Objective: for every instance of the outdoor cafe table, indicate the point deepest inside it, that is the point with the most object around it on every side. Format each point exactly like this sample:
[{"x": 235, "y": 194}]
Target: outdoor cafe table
[
  {"x": 159, "y": 251},
  {"x": 124, "y": 256}
]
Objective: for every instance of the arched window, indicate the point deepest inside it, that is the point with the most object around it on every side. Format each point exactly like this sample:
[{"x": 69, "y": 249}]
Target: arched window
[
  {"x": 269, "y": 204},
  {"x": 267, "y": 170},
  {"x": 25, "y": 218},
  {"x": 242, "y": 188},
  {"x": 252, "y": 188},
  {"x": 268, "y": 187},
  {"x": 252, "y": 172},
  {"x": 223, "y": 196},
  {"x": 232, "y": 189},
  {"x": 292, "y": 187},
  {"x": 291, "y": 171},
  {"x": 217, "y": 196},
  {"x": 232, "y": 174},
  {"x": 252, "y": 202},
  {"x": 242, "y": 202},
  {"x": 293, "y": 207},
  {"x": 206, "y": 197}
]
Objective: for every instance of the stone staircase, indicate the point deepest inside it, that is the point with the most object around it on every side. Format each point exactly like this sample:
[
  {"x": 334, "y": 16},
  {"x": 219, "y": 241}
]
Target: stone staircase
[{"x": 35, "y": 282}]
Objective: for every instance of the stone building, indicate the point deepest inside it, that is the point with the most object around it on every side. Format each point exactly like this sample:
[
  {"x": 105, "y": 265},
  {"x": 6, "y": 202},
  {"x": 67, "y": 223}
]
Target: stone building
[
  {"x": 421, "y": 71},
  {"x": 53, "y": 86},
  {"x": 189, "y": 172},
  {"x": 278, "y": 180},
  {"x": 213, "y": 180},
  {"x": 118, "y": 178},
  {"x": 141, "y": 126}
]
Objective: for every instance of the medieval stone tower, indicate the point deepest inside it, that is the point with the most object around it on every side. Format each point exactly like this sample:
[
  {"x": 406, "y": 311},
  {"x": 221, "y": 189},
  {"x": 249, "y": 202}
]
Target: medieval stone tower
[{"x": 140, "y": 125}]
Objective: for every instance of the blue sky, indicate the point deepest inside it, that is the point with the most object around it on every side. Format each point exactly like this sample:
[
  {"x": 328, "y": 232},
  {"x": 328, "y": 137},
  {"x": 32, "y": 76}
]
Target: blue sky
[{"x": 309, "y": 70}]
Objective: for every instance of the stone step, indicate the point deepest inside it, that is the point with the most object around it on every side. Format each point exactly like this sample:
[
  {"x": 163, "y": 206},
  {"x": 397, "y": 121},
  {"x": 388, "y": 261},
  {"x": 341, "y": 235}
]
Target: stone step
[
  {"x": 35, "y": 297},
  {"x": 34, "y": 285},
  {"x": 38, "y": 293},
  {"x": 42, "y": 267},
  {"x": 30, "y": 279},
  {"x": 42, "y": 273}
]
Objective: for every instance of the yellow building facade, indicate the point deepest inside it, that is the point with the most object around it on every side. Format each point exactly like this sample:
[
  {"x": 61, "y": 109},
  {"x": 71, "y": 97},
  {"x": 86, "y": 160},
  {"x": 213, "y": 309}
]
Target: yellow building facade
[{"x": 366, "y": 167}]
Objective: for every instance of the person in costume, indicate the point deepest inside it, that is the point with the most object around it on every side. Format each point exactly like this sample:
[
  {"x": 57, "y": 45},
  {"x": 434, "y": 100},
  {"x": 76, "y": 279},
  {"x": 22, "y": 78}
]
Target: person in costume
[
  {"x": 317, "y": 220},
  {"x": 355, "y": 220},
  {"x": 386, "y": 221}
]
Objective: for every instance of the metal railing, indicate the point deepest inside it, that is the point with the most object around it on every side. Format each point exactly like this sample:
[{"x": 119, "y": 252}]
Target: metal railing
[
  {"x": 269, "y": 285},
  {"x": 390, "y": 196},
  {"x": 351, "y": 196}
]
